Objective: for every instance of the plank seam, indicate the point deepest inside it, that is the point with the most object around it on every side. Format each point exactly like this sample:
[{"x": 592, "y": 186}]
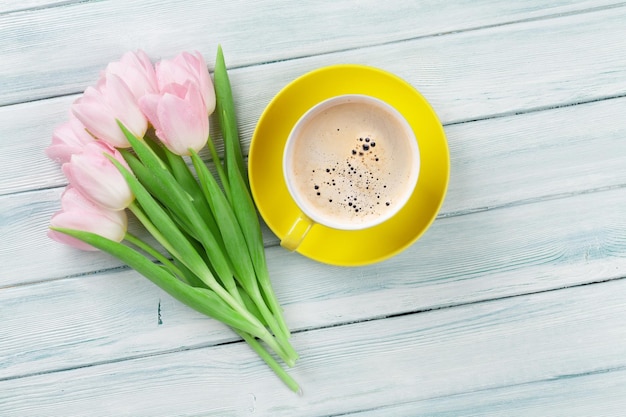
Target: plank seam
[
  {"x": 463, "y": 304},
  {"x": 516, "y": 203},
  {"x": 537, "y": 109},
  {"x": 448, "y": 124},
  {"x": 487, "y": 389},
  {"x": 449, "y": 32},
  {"x": 349, "y": 49},
  {"x": 48, "y": 6},
  {"x": 236, "y": 340},
  {"x": 534, "y": 200}
]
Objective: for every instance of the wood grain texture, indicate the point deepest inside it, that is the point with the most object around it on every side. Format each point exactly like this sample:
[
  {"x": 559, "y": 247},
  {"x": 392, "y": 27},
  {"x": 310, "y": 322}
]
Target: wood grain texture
[
  {"x": 513, "y": 303},
  {"x": 495, "y": 163},
  {"x": 569, "y": 334},
  {"x": 465, "y": 76},
  {"x": 22, "y": 6},
  {"x": 465, "y": 259},
  {"x": 60, "y": 50},
  {"x": 594, "y": 394}
]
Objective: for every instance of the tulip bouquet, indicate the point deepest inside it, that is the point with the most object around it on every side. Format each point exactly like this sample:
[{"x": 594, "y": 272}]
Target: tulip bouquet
[{"x": 131, "y": 145}]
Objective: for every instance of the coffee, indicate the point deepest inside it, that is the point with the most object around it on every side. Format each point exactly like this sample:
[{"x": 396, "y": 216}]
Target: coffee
[{"x": 352, "y": 164}]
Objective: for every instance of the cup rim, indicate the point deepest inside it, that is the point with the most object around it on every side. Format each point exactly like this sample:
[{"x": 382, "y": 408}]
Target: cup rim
[{"x": 411, "y": 182}]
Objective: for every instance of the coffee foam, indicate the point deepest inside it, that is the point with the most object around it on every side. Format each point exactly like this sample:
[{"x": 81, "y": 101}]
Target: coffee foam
[{"x": 351, "y": 163}]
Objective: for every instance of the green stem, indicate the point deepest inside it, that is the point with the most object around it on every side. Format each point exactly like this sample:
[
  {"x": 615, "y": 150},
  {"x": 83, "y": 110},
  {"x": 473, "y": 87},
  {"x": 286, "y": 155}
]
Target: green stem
[
  {"x": 220, "y": 169},
  {"x": 273, "y": 324},
  {"x": 260, "y": 331},
  {"x": 203, "y": 300},
  {"x": 181, "y": 204},
  {"x": 182, "y": 173},
  {"x": 241, "y": 199},
  {"x": 263, "y": 333},
  {"x": 151, "y": 228},
  {"x": 248, "y": 220},
  {"x": 189, "y": 277},
  {"x": 225, "y": 109},
  {"x": 154, "y": 253},
  {"x": 270, "y": 361},
  {"x": 236, "y": 246},
  {"x": 270, "y": 297},
  {"x": 190, "y": 259}
]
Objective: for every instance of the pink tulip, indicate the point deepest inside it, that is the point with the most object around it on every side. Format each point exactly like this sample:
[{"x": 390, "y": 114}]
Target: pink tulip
[
  {"x": 187, "y": 68},
  {"x": 95, "y": 176},
  {"x": 137, "y": 72},
  {"x": 99, "y": 108},
  {"x": 179, "y": 117},
  {"x": 67, "y": 139},
  {"x": 79, "y": 213}
]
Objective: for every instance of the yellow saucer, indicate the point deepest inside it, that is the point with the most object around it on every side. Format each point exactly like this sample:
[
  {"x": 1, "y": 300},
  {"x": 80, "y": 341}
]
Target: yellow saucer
[{"x": 338, "y": 247}]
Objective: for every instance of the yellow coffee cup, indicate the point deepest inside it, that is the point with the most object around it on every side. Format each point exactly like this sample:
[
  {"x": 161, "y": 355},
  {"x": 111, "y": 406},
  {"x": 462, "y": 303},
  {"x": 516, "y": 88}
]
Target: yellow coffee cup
[{"x": 351, "y": 162}]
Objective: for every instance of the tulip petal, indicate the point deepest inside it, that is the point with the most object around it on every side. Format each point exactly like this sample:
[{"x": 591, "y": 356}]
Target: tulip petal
[
  {"x": 67, "y": 139},
  {"x": 81, "y": 214},
  {"x": 206, "y": 85},
  {"x": 100, "y": 109},
  {"x": 186, "y": 68},
  {"x": 93, "y": 174},
  {"x": 68, "y": 240},
  {"x": 148, "y": 105},
  {"x": 124, "y": 105},
  {"x": 137, "y": 72},
  {"x": 184, "y": 124},
  {"x": 98, "y": 117}
]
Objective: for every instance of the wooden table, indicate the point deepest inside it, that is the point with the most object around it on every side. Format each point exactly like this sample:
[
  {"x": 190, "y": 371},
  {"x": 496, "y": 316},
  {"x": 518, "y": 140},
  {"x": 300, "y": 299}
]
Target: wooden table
[{"x": 512, "y": 303}]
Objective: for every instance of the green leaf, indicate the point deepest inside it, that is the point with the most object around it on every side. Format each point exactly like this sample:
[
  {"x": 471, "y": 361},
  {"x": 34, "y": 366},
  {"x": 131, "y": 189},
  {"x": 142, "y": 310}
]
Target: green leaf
[
  {"x": 237, "y": 248},
  {"x": 269, "y": 360},
  {"x": 182, "y": 174},
  {"x": 240, "y": 196},
  {"x": 146, "y": 248},
  {"x": 200, "y": 299},
  {"x": 157, "y": 147},
  {"x": 220, "y": 170},
  {"x": 181, "y": 204},
  {"x": 167, "y": 234},
  {"x": 248, "y": 219},
  {"x": 228, "y": 225},
  {"x": 225, "y": 108},
  {"x": 174, "y": 241}
]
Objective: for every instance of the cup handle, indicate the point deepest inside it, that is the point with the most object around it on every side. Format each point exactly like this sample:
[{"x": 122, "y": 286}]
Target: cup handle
[{"x": 296, "y": 234}]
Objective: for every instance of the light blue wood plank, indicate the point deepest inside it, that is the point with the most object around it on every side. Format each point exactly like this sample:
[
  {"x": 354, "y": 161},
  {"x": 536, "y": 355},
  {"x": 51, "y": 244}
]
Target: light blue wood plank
[
  {"x": 455, "y": 72},
  {"x": 595, "y": 394},
  {"x": 26, "y": 130},
  {"x": 494, "y": 163},
  {"x": 470, "y": 349},
  {"x": 60, "y": 50},
  {"x": 28, "y": 6},
  {"x": 536, "y": 204},
  {"x": 502, "y": 70},
  {"x": 465, "y": 259}
]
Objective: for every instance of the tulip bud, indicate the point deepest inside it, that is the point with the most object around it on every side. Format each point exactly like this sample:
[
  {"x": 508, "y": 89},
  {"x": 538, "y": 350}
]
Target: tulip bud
[
  {"x": 137, "y": 72},
  {"x": 179, "y": 117},
  {"x": 95, "y": 176},
  {"x": 187, "y": 68},
  {"x": 79, "y": 213},
  {"x": 100, "y": 108},
  {"x": 67, "y": 139}
]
